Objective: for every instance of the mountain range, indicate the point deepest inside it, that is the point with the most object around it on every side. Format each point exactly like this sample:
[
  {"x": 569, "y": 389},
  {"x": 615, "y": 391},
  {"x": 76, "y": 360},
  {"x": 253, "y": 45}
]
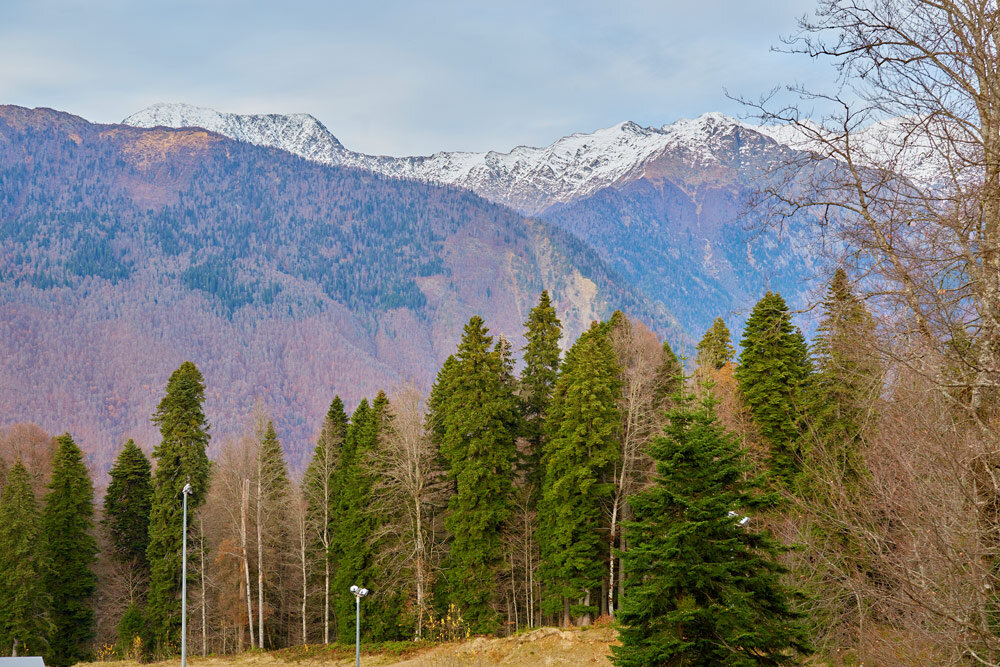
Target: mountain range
[{"x": 290, "y": 268}]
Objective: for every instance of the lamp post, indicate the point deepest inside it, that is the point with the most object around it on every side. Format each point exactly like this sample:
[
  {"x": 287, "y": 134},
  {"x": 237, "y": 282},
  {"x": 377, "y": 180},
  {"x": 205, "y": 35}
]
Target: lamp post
[
  {"x": 186, "y": 491},
  {"x": 358, "y": 594}
]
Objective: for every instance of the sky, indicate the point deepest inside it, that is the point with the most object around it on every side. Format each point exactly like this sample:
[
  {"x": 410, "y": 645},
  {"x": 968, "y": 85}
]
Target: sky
[{"x": 405, "y": 78}]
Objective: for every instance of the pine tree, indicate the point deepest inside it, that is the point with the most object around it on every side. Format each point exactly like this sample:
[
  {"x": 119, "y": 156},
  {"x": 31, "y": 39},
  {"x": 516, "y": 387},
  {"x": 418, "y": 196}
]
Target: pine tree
[
  {"x": 349, "y": 550},
  {"x": 703, "y": 588},
  {"x": 127, "y": 506},
  {"x": 773, "y": 374},
  {"x": 272, "y": 508},
  {"x": 715, "y": 349},
  {"x": 538, "y": 380},
  {"x": 69, "y": 551},
  {"x": 385, "y": 606},
  {"x": 319, "y": 489},
  {"x": 848, "y": 376},
  {"x": 25, "y": 605},
  {"x": 581, "y": 425},
  {"x": 669, "y": 377},
  {"x": 479, "y": 419},
  {"x": 180, "y": 459}
]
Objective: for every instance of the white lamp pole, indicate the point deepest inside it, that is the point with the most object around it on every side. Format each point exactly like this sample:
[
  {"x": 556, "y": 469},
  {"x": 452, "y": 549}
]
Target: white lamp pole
[
  {"x": 184, "y": 578},
  {"x": 358, "y": 594}
]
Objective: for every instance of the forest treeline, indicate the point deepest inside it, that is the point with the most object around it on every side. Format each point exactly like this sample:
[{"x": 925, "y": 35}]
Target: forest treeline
[{"x": 596, "y": 482}]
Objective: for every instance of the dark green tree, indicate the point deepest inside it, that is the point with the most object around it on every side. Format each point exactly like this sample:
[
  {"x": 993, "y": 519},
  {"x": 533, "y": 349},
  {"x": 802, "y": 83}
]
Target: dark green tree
[
  {"x": 848, "y": 377},
  {"x": 773, "y": 376},
  {"x": 319, "y": 486},
  {"x": 127, "y": 505},
  {"x": 25, "y": 605},
  {"x": 355, "y": 544},
  {"x": 273, "y": 536},
  {"x": 703, "y": 587},
  {"x": 538, "y": 380},
  {"x": 479, "y": 422},
  {"x": 581, "y": 424},
  {"x": 69, "y": 553},
  {"x": 669, "y": 377},
  {"x": 180, "y": 459},
  {"x": 715, "y": 349}
]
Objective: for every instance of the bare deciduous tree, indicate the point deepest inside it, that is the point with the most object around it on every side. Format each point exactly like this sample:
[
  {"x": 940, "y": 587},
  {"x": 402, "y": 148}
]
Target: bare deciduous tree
[
  {"x": 639, "y": 355},
  {"x": 410, "y": 485}
]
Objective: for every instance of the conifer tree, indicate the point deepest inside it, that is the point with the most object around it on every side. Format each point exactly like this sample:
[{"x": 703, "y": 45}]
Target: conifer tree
[
  {"x": 715, "y": 349},
  {"x": 703, "y": 587},
  {"x": 848, "y": 376},
  {"x": 538, "y": 380},
  {"x": 581, "y": 425},
  {"x": 319, "y": 489},
  {"x": 669, "y": 377},
  {"x": 478, "y": 423},
  {"x": 385, "y": 605},
  {"x": 25, "y": 604},
  {"x": 773, "y": 374},
  {"x": 127, "y": 506},
  {"x": 180, "y": 459},
  {"x": 69, "y": 552},
  {"x": 349, "y": 550},
  {"x": 272, "y": 508}
]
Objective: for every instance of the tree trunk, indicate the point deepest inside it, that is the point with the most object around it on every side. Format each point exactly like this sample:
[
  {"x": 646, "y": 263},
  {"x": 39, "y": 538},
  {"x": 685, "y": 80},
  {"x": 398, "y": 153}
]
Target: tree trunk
[
  {"x": 260, "y": 553},
  {"x": 420, "y": 570},
  {"x": 566, "y": 620},
  {"x": 305, "y": 581},
  {"x": 244, "y": 510},
  {"x": 204, "y": 598},
  {"x": 611, "y": 557}
]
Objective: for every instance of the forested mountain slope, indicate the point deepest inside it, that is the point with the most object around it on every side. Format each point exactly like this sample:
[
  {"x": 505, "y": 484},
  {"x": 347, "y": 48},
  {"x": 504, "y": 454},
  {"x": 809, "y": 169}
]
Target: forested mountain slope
[
  {"x": 666, "y": 206},
  {"x": 125, "y": 251}
]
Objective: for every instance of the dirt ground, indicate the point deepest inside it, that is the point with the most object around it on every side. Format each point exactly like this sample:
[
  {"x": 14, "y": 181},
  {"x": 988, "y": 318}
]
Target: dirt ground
[{"x": 543, "y": 647}]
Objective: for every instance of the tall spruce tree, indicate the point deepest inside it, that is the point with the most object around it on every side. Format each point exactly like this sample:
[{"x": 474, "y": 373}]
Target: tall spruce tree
[
  {"x": 273, "y": 489},
  {"x": 69, "y": 552},
  {"x": 25, "y": 605},
  {"x": 538, "y": 380},
  {"x": 715, "y": 349},
  {"x": 349, "y": 549},
  {"x": 319, "y": 486},
  {"x": 127, "y": 505},
  {"x": 385, "y": 607},
  {"x": 478, "y": 424},
  {"x": 773, "y": 376},
  {"x": 703, "y": 587},
  {"x": 848, "y": 376},
  {"x": 581, "y": 425},
  {"x": 669, "y": 377},
  {"x": 180, "y": 459}
]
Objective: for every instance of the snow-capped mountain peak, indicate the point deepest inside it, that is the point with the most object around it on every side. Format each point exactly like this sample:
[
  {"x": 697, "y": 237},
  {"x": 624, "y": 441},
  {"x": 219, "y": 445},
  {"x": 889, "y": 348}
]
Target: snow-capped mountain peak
[
  {"x": 297, "y": 133},
  {"x": 526, "y": 178}
]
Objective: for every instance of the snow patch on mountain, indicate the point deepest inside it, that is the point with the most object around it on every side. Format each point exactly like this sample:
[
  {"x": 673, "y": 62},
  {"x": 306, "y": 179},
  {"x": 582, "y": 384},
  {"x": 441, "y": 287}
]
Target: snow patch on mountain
[
  {"x": 298, "y": 133},
  {"x": 529, "y": 179}
]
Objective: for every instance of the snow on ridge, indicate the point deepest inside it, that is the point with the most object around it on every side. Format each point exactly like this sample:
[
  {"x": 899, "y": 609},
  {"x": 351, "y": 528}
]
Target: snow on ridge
[
  {"x": 527, "y": 178},
  {"x": 298, "y": 133}
]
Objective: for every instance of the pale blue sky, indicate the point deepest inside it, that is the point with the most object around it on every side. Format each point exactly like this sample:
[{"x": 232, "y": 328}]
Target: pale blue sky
[{"x": 403, "y": 77}]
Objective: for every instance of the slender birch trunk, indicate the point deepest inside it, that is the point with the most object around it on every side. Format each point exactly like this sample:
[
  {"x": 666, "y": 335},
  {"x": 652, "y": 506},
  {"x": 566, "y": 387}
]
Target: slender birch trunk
[
  {"x": 260, "y": 551},
  {"x": 244, "y": 510}
]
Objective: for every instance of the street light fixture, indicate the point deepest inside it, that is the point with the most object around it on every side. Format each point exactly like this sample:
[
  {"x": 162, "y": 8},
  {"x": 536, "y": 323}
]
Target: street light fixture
[
  {"x": 186, "y": 491},
  {"x": 358, "y": 594}
]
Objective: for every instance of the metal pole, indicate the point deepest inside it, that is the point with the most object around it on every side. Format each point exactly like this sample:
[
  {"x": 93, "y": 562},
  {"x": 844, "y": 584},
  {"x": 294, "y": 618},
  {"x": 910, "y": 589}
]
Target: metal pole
[
  {"x": 357, "y": 632},
  {"x": 184, "y": 562}
]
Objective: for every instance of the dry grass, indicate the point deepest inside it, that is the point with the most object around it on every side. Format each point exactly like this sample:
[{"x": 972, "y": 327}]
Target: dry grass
[{"x": 541, "y": 647}]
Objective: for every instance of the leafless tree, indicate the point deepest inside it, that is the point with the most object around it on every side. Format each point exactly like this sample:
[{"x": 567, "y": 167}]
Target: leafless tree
[
  {"x": 639, "y": 355},
  {"x": 409, "y": 486},
  {"x": 905, "y": 178}
]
